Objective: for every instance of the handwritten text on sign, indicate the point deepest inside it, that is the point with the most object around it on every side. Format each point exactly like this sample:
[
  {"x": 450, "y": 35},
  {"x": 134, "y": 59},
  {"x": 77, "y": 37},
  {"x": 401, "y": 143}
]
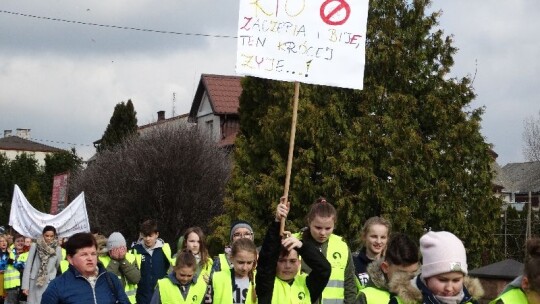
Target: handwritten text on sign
[{"x": 311, "y": 41}]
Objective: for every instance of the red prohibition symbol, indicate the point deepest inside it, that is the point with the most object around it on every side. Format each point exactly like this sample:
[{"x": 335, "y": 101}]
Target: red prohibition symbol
[{"x": 334, "y": 9}]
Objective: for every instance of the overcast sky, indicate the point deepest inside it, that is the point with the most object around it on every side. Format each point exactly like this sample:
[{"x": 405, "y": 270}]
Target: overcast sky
[{"x": 62, "y": 80}]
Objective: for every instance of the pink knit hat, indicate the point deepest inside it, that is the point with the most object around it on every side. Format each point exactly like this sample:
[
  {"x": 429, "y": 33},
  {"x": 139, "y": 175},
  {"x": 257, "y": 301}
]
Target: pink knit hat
[{"x": 442, "y": 252}]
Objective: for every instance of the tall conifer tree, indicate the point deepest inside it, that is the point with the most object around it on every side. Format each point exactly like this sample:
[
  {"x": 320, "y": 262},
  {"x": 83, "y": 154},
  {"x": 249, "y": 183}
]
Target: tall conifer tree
[
  {"x": 407, "y": 147},
  {"x": 123, "y": 124}
]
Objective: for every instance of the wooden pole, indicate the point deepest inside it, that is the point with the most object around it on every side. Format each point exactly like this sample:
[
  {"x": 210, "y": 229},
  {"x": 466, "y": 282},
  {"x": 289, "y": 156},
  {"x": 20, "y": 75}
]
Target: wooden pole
[
  {"x": 528, "y": 232},
  {"x": 291, "y": 150}
]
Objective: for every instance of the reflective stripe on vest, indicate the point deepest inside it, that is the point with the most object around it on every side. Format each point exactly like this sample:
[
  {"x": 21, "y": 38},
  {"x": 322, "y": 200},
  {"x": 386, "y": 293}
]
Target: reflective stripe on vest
[
  {"x": 337, "y": 254},
  {"x": 222, "y": 288},
  {"x": 512, "y": 296},
  {"x": 376, "y": 295},
  {"x": 130, "y": 289},
  {"x": 297, "y": 293},
  {"x": 169, "y": 293}
]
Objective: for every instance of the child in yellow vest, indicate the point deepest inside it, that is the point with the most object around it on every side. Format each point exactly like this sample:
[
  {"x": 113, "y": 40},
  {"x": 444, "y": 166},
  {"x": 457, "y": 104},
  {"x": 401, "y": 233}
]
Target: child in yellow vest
[
  {"x": 525, "y": 289},
  {"x": 182, "y": 285},
  {"x": 321, "y": 220},
  {"x": 194, "y": 241},
  {"x": 278, "y": 278},
  {"x": 237, "y": 286}
]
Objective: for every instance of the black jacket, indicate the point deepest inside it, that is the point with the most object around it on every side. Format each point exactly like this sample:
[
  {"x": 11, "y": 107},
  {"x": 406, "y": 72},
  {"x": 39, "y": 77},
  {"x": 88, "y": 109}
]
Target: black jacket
[{"x": 267, "y": 263}]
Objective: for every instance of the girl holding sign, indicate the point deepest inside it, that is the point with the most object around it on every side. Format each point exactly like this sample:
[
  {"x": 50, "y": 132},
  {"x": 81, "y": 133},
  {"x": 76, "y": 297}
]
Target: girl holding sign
[{"x": 321, "y": 219}]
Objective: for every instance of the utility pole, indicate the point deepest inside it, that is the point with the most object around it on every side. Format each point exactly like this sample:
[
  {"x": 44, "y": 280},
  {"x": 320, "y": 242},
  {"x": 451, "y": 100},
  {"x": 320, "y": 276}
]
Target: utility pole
[
  {"x": 528, "y": 232},
  {"x": 173, "y": 103}
]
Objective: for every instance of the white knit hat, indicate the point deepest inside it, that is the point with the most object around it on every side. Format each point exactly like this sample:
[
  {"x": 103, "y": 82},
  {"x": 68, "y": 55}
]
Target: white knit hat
[
  {"x": 116, "y": 239},
  {"x": 442, "y": 252}
]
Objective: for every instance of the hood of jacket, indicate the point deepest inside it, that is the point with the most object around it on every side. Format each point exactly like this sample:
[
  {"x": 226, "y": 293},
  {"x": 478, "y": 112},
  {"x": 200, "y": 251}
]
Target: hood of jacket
[
  {"x": 101, "y": 245},
  {"x": 377, "y": 277},
  {"x": 411, "y": 291},
  {"x": 516, "y": 283}
]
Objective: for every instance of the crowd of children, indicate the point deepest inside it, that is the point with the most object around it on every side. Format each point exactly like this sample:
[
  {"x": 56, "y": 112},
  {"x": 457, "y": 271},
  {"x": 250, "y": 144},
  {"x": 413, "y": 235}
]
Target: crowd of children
[{"x": 313, "y": 266}]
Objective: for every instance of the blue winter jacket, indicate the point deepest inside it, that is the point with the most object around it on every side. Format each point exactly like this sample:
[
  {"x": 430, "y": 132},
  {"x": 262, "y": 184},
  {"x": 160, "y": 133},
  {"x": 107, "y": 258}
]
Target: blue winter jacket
[
  {"x": 72, "y": 287},
  {"x": 153, "y": 268}
]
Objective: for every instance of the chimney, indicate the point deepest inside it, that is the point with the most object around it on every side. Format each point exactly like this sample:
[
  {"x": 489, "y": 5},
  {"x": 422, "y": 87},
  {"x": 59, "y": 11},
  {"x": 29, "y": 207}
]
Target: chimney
[
  {"x": 7, "y": 133},
  {"x": 160, "y": 115},
  {"x": 23, "y": 133}
]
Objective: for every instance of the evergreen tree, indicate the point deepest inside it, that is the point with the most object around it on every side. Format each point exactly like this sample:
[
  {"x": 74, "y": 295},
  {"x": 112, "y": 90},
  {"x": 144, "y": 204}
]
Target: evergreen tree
[
  {"x": 407, "y": 147},
  {"x": 34, "y": 195},
  {"x": 123, "y": 124},
  {"x": 6, "y": 188}
]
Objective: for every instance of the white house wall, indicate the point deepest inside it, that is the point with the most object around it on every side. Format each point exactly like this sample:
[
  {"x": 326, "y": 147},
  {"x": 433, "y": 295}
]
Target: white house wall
[
  {"x": 211, "y": 125},
  {"x": 207, "y": 121}
]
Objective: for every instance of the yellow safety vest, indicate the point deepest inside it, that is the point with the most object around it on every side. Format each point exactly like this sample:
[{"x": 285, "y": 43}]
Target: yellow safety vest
[
  {"x": 12, "y": 276},
  {"x": 337, "y": 255},
  {"x": 222, "y": 288},
  {"x": 296, "y": 293},
  {"x": 205, "y": 271},
  {"x": 223, "y": 263},
  {"x": 169, "y": 293},
  {"x": 375, "y": 295},
  {"x": 130, "y": 289},
  {"x": 64, "y": 266},
  {"x": 512, "y": 296},
  {"x": 166, "y": 250}
]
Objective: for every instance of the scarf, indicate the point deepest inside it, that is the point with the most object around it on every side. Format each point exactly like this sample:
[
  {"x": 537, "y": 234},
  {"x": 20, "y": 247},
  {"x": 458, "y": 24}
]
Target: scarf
[
  {"x": 44, "y": 251},
  {"x": 453, "y": 299}
]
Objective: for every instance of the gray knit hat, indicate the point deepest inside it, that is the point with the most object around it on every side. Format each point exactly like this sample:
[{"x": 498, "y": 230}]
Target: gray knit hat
[
  {"x": 116, "y": 239},
  {"x": 240, "y": 224}
]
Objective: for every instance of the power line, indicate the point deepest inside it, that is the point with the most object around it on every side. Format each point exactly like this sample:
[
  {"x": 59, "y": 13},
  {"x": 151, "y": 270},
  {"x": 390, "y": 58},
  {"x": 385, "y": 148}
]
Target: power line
[
  {"x": 60, "y": 142},
  {"x": 116, "y": 26}
]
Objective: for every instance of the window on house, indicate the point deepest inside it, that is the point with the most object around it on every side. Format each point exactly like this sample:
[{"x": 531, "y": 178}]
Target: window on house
[{"x": 210, "y": 128}]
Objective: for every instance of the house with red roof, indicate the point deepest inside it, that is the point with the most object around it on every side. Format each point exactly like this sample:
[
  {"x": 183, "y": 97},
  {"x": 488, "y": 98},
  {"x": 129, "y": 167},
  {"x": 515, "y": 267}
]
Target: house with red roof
[{"x": 215, "y": 107}]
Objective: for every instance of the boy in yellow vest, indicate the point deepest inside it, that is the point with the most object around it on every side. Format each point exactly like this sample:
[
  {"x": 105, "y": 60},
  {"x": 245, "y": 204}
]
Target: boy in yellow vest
[
  {"x": 182, "y": 285},
  {"x": 278, "y": 279}
]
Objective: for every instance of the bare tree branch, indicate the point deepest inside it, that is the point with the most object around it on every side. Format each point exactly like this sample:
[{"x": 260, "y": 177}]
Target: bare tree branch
[{"x": 531, "y": 138}]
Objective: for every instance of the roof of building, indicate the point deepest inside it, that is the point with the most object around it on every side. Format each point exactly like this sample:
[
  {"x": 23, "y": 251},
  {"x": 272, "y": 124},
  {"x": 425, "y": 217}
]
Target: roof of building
[
  {"x": 155, "y": 123},
  {"x": 16, "y": 143},
  {"x": 522, "y": 177},
  {"x": 223, "y": 92},
  {"x": 499, "y": 177},
  {"x": 507, "y": 270}
]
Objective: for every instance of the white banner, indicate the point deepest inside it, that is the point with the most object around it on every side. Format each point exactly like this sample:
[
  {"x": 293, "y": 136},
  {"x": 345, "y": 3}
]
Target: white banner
[
  {"x": 310, "y": 41},
  {"x": 28, "y": 221}
]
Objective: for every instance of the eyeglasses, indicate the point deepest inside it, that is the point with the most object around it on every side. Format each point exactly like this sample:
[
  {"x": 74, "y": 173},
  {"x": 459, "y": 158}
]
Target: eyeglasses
[{"x": 243, "y": 235}]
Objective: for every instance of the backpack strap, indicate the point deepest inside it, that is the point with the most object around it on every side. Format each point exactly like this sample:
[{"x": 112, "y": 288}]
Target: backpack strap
[{"x": 111, "y": 285}]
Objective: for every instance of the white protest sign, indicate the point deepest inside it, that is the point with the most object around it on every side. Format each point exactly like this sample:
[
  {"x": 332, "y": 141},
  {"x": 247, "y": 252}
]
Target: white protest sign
[
  {"x": 310, "y": 41},
  {"x": 28, "y": 221}
]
